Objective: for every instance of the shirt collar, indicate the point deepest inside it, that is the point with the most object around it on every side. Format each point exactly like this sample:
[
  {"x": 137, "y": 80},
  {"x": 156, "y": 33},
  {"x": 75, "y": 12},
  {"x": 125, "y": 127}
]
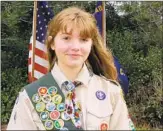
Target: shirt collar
[{"x": 83, "y": 76}]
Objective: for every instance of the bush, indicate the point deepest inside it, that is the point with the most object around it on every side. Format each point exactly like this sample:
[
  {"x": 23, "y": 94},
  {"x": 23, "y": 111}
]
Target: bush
[
  {"x": 12, "y": 81},
  {"x": 144, "y": 99}
]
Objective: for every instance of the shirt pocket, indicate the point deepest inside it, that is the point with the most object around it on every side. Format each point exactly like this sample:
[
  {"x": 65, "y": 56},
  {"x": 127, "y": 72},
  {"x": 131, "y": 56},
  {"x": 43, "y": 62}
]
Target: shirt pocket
[{"x": 97, "y": 115}]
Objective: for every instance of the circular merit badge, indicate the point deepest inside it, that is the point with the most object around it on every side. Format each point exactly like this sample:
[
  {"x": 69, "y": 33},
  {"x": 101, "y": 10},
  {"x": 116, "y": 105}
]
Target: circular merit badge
[
  {"x": 46, "y": 98},
  {"x": 58, "y": 124},
  {"x": 49, "y": 124},
  {"x": 44, "y": 115},
  {"x": 40, "y": 106},
  {"x": 52, "y": 90},
  {"x": 42, "y": 90},
  {"x": 36, "y": 98},
  {"x": 104, "y": 126},
  {"x": 54, "y": 115},
  {"x": 65, "y": 116},
  {"x": 50, "y": 106},
  {"x": 61, "y": 107},
  {"x": 100, "y": 95},
  {"x": 57, "y": 99}
]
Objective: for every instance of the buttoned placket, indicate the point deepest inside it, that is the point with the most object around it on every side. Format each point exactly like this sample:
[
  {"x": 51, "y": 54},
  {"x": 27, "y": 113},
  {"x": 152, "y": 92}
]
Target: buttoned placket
[{"x": 85, "y": 96}]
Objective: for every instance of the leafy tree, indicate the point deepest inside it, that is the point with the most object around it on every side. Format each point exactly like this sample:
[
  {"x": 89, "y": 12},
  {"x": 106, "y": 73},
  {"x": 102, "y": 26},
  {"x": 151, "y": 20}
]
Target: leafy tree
[
  {"x": 139, "y": 50},
  {"x": 135, "y": 37}
]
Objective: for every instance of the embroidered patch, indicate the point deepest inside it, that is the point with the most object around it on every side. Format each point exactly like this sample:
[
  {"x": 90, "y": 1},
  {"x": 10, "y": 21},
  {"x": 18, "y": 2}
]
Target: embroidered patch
[
  {"x": 36, "y": 98},
  {"x": 49, "y": 124},
  {"x": 52, "y": 90},
  {"x": 57, "y": 99},
  {"x": 50, "y": 106},
  {"x": 61, "y": 107},
  {"x": 46, "y": 98},
  {"x": 54, "y": 115},
  {"x": 44, "y": 115},
  {"x": 104, "y": 126},
  {"x": 58, "y": 124},
  {"x": 42, "y": 90},
  {"x": 40, "y": 106},
  {"x": 65, "y": 116},
  {"x": 100, "y": 95}
]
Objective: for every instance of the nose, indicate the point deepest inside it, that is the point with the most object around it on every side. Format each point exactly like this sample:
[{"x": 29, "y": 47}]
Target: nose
[{"x": 76, "y": 45}]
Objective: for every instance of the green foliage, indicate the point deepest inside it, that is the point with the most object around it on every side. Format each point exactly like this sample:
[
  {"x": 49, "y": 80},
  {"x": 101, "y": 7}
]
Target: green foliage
[
  {"x": 139, "y": 51},
  {"x": 14, "y": 58},
  {"x": 135, "y": 38},
  {"x": 12, "y": 81},
  {"x": 145, "y": 90}
]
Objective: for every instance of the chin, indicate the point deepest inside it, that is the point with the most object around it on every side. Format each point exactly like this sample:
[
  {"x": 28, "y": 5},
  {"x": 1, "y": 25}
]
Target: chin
[{"x": 74, "y": 64}]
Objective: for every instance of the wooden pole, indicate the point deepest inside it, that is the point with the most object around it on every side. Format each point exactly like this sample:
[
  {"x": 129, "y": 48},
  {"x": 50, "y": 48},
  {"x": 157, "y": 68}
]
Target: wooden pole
[
  {"x": 104, "y": 22},
  {"x": 34, "y": 37}
]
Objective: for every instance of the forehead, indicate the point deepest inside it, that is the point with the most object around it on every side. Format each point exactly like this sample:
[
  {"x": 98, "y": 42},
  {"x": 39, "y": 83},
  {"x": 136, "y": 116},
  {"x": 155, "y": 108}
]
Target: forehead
[
  {"x": 76, "y": 31},
  {"x": 71, "y": 31},
  {"x": 80, "y": 25}
]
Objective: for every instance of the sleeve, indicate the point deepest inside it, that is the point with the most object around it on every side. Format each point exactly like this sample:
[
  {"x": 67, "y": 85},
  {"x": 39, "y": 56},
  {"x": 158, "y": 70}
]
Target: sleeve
[
  {"x": 120, "y": 119},
  {"x": 21, "y": 116}
]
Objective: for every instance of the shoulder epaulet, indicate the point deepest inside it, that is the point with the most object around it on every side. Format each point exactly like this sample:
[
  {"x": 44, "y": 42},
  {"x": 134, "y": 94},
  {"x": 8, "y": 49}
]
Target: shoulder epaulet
[{"x": 112, "y": 81}]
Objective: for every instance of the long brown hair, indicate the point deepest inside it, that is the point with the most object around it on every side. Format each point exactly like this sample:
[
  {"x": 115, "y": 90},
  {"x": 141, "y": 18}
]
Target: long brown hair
[{"x": 100, "y": 58}]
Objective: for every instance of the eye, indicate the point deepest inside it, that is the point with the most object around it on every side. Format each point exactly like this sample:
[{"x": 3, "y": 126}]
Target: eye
[
  {"x": 84, "y": 39},
  {"x": 66, "y": 37}
]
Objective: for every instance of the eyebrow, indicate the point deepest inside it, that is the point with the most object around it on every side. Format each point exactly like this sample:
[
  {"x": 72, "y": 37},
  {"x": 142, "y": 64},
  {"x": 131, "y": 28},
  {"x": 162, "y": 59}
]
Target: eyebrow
[{"x": 66, "y": 33}]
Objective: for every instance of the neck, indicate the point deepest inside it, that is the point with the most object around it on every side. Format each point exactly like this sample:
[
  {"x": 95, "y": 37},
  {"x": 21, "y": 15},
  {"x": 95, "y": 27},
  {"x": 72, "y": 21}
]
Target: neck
[{"x": 70, "y": 72}]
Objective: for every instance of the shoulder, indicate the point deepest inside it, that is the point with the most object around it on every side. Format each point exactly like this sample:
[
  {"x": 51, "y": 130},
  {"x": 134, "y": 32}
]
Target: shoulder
[
  {"x": 33, "y": 87},
  {"x": 39, "y": 81},
  {"x": 110, "y": 85},
  {"x": 110, "y": 80}
]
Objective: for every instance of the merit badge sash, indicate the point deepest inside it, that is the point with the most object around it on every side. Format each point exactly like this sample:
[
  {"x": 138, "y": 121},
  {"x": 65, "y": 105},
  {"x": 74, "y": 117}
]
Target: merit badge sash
[{"x": 49, "y": 102}]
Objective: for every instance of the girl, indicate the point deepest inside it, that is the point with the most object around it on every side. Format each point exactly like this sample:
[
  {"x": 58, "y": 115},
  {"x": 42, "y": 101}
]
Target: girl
[{"x": 80, "y": 91}]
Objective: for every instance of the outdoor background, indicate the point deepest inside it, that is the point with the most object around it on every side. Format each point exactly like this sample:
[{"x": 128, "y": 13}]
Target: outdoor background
[{"x": 134, "y": 34}]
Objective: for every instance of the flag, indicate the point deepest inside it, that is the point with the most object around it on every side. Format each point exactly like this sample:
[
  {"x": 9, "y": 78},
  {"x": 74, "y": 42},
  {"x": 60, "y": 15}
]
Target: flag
[
  {"x": 98, "y": 15},
  {"x": 44, "y": 15},
  {"x": 122, "y": 78}
]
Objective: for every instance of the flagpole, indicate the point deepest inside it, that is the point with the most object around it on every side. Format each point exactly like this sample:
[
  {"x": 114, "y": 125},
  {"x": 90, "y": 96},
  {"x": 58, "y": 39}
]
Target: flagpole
[
  {"x": 34, "y": 37},
  {"x": 104, "y": 22}
]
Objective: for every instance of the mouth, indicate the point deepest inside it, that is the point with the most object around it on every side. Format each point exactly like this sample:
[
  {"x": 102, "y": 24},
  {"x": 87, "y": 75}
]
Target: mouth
[{"x": 74, "y": 55}]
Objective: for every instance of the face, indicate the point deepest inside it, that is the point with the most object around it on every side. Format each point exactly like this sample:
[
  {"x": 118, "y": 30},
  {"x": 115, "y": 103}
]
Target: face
[{"x": 71, "y": 50}]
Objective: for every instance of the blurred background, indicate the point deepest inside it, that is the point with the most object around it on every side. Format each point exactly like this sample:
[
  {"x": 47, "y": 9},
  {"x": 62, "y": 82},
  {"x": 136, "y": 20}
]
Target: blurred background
[{"x": 134, "y": 34}]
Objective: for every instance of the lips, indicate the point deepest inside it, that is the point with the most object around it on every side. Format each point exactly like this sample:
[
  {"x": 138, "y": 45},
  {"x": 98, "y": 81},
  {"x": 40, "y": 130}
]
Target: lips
[{"x": 74, "y": 54}]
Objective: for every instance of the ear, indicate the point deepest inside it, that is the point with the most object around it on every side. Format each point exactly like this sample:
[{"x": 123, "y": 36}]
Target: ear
[{"x": 52, "y": 45}]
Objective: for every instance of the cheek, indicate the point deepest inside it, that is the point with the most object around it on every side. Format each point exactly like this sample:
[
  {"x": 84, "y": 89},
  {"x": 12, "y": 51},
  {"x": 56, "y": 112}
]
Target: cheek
[
  {"x": 61, "y": 47},
  {"x": 86, "y": 49}
]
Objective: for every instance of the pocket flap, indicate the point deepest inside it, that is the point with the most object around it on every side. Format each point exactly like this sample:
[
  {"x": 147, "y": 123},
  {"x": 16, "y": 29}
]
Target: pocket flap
[{"x": 99, "y": 108}]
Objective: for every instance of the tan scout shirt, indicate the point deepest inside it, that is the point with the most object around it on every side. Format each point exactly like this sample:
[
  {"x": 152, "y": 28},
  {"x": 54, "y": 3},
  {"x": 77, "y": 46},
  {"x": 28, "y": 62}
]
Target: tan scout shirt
[{"x": 110, "y": 112}]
